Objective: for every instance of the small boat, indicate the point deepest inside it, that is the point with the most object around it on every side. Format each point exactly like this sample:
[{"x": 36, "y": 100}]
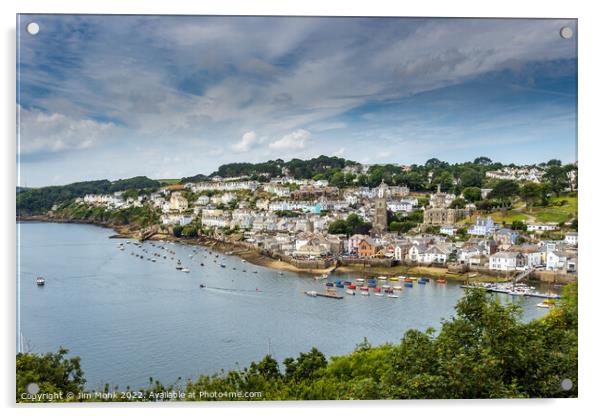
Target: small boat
[
  {"x": 280, "y": 273},
  {"x": 352, "y": 286},
  {"x": 346, "y": 283},
  {"x": 321, "y": 277},
  {"x": 40, "y": 281},
  {"x": 376, "y": 289},
  {"x": 179, "y": 267},
  {"x": 392, "y": 296},
  {"x": 365, "y": 293},
  {"x": 408, "y": 279},
  {"x": 394, "y": 279},
  {"x": 350, "y": 292},
  {"x": 382, "y": 278},
  {"x": 546, "y": 304},
  {"x": 329, "y": 284},
  {"x": 425, "y": 279},
  {"x": 441, "y": 281},
  {"x": 397, "y": 287},
  {"x": 222, "y": 265},
  {"x": 359, "y": 280},
  {"x": 201, "y": 285},
  {"x": 421, "y": 282},
  {"x": 408, "y": 284},
  {"x": 371, "y": 284},
  {"x": 185, "y": 270},
  {"x": 385, "y": 286},
  {"x": 364, "y": 288},
  {"x": 339, "y": 285},
  {"x": 202, "y": 264},
  {"x": 254, "y": 271},
  {"x": 311, "y": 293},
  {"x": 380, "y": 295},
  {"x": 243, "y": 261}
]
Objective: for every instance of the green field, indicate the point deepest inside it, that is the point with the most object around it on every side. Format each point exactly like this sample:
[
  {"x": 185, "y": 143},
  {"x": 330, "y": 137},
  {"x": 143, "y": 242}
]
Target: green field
[
  {"x": 558, "y": 214},
  {"x": 169, "y": 181}
]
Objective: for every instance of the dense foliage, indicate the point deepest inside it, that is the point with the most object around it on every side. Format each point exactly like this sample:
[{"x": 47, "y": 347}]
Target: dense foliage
[
  {"x": 40, "y": 200},
  {"x": 485, "y": 351}
]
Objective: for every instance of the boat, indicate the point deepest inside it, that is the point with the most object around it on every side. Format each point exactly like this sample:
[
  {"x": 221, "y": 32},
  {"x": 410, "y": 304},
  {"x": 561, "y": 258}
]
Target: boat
[
  {"x": 392, "y": 296},
  {"x": 185, "y": 270},
  {"x": 339, "y": 285},
  {"x": 321, "y": 277},
  {"x": 40, "y": 281},
  {"x": 408, "y": 284},
  {"x": 380, "y": 295},
  {"x": 350, "y": 292},
  {"x": 201, "y": 285},
  {"x": 280, "y": 273},
  {"x": 376, "y": 289},
  {"x": 441, "y": 281},
  {"x": 346, "y": 283},
  {"x": 365, "y": 293},
  {"x": 393, "y": 278},
  {"x": 407, "y": 279},
  {"x": 371, "y": 284},
  {"x": 359, "y": 280},
  {"x": 254, "y": 271},
  {"x": 385, "y": 286},
  {"x": 397, "y": 287},
  {"x": 382, "y": 278},
  {"x": 243, "y": 261},
  {"x": 546, "y": 303},
  {"x": 364, "y": 288},
  {"x": 179, "y": 267},
  {"x": 421, "y": 282},
  {"x": 329, "y": 284},
  {"x": 352, "y": 286},
  {"x": 311, "y": 293},
  {"x": 222, "y": 265}
]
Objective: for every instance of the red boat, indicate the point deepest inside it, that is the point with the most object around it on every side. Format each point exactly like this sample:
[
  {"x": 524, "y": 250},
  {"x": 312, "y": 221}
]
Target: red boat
[
  {"x": 352, "y": 286},
  {"x": 363, "y": 287},
  {"x": 441, "y": 281},
  {"x": 376, "y": 289},
  {"x": 408, "y": 279}
]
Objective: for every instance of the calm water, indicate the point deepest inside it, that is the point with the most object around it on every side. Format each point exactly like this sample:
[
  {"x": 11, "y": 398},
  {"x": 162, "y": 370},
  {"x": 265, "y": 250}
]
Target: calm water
[{"x": 130, "y": 319}]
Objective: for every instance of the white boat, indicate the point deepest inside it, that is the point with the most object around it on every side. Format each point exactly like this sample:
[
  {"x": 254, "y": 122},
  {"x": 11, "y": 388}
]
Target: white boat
[
  {"x": 397, "y": 287},
  {"x": 40, "y": 281},
  {"x": 365, "y": 292},
  {"x": 321, "y": 277},
  {"x": 359, "y": 280},
  {"x": 350, "y": 292},
  {"x": 185, "y": 270},
  {"x": 243, "y": 260},
  {"x": 381, "y": 278},
  {"x": 311, "y": 293},
  {"x": 543, "y": 305},
  {"x": 392, "y": 296},
  {"x": 380, "y": 295},
  {"x": 385, "y": 286}
]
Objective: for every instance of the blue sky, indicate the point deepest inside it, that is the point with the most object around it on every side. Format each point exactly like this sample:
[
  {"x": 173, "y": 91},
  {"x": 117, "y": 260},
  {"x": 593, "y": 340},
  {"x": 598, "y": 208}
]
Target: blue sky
[{"x": 166, "y": 97}]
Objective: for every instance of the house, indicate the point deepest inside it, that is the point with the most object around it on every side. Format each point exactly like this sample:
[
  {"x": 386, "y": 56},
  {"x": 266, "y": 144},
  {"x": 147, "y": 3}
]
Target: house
[
  {"x": 450, "y": 230},
  {"x": 505, "y": 236},
  {"x": 416, "y": 253},
  {"x": 482, "y": 227},
  {"x": 177, "y": 202},
  {"x": 561, "y": 261},
  {"x": 437, "y": 254},
  {"x": 354, "y": 242},
  {"x": 571, "y": 238},
  {"x": 542, "y": 227},
  {"x": 534, "y": 255},
  {"x": 216, "y": 218},
  {"x": 507, "y": 261},
  {"x": 479, "y": 261},
  {"x": 366, "y": 248}
]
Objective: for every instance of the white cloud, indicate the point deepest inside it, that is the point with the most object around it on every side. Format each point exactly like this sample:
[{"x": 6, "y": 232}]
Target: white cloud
[
  {"x": 246, "y": 143},
  {"x": 340, "y": 152},
  {"x": 55, "y": 132},
  {"x": 296, "y": 140}
]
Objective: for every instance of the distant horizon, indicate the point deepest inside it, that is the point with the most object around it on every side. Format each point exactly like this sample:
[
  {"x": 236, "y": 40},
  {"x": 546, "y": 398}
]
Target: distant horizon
[
  {"x": 173, "y": 96},
  {"x": 112, "y": 179}
]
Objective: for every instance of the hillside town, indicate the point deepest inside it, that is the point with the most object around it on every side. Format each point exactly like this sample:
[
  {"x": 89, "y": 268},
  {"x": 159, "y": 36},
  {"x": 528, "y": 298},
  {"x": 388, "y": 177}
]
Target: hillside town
[{"x": 303, "y": 221}]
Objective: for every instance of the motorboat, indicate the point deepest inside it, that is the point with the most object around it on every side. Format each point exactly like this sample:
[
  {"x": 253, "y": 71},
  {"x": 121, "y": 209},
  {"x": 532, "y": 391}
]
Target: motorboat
[
  {"x": 390, "y": 295},
  {"x": 40, "y": 281},
  {"x": 321, "y": 277},
  {"x": 311, "y": 293},
  {"x": 185, "y": 270},
  {"x": 350, "y": 292}
]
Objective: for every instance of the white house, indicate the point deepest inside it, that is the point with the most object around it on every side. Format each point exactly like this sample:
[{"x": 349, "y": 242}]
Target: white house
[
  {"x": 571, "y": 238},
  {"x": 506, "y": 261},
  {"x": 482, "y": 227},
  {"x": 177, "y": 202},
  {"x": 541, "y": 227}
]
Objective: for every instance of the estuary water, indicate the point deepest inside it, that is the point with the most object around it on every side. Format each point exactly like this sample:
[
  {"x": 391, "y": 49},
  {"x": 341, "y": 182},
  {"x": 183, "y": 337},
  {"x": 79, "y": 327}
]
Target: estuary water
[{"x": 130, "y": 318}]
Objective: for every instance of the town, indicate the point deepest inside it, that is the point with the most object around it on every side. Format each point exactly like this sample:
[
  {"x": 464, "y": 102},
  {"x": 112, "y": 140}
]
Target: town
[{"x": 316, "y": 223}]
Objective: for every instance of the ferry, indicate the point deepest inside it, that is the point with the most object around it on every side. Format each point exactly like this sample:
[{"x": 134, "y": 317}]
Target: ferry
[{"x": 40, "y": 281}]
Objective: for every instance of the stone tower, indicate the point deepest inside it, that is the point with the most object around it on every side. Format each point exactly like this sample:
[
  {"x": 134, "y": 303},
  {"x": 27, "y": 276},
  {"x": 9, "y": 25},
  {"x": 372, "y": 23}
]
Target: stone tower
[{"x": 380, "y": 217}]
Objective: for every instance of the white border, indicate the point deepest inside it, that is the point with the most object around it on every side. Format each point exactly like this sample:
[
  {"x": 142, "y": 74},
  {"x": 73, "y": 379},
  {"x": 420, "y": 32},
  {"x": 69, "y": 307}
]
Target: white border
[{"x": 589, "y": 150}]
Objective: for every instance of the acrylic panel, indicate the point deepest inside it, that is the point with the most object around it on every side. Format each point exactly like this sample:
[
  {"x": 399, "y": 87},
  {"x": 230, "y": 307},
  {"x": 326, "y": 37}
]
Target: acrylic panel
[{"x": 282, "y": 208}]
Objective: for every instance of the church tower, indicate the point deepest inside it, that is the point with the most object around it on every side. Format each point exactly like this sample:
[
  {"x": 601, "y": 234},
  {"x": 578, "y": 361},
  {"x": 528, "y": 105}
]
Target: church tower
[{"x": 380, "y": 217}]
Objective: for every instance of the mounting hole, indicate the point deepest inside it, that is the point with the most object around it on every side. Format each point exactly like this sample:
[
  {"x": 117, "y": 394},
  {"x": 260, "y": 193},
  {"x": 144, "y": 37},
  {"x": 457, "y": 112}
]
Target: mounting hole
[
  {"x": 566, "y": 32},
  {"x": 33, "y": 28}
]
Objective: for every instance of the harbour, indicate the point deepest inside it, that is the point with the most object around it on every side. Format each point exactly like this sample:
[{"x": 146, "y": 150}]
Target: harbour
[{"x": 104, "y": 304}]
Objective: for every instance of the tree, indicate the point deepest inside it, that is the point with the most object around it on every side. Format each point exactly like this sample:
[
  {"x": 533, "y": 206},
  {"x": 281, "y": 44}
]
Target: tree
[
  {"x": 458, "y": 203},
  {"x": 52, "y": 372},
  {"x": 530, "y": 193},
  {"x": 338, "y": 227},
  {"x": 518, "y": 225},
  {"x": 483, "y": 161},
  {"x": 445, "y": 179},
  {"x": 557, "y": 178},
  {"x": 471, "y": 178},
  {"x": 504, "y": 190},
  {"x": 472, "y": 194},
  {"x": 177, "y": 230}
]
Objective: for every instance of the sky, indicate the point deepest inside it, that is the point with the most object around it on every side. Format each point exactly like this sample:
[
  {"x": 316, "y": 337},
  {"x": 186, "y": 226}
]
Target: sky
[{"x": 109, "y": 97}]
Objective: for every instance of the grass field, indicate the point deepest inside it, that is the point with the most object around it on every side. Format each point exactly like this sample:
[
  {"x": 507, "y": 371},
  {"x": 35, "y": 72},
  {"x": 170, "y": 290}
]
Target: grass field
[
  {"x": 169, "y": 181},
  {"x": 552, "y": 213}
]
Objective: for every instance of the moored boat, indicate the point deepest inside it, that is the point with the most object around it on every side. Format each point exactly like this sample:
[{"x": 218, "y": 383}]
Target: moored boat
[
  {"x": 408, "y": 284},
  {"x": 185, "y": 270},
  {"x": 441, "y": 281},
  {"x": 380, "y": 295},
  {"x": 392, "y": 296},
  {"x": 311, "y": 293},
  {"x": 40, "y": 281},
  {"x": 350, "y": 292},
  {"x": 407, "y": 279}
]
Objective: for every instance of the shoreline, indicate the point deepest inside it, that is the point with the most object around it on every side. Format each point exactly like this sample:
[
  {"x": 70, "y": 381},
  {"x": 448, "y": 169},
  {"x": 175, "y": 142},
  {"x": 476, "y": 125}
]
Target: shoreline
[{"x": 255, "y": 257}]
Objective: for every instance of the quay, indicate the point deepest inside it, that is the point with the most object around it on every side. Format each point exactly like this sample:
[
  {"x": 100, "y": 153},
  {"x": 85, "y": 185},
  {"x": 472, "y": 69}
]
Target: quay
[{"x": 510, "y": 292}]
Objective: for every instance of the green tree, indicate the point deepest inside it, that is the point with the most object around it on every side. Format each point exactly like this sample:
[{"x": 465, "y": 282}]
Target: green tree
[
  {"x": 472, "y": 194},
  {"x": 557, "y": 179},
  {"x": 52, "y": 372},
  {"x": 471, "y": 178},
  {"x": 504, "y": 191},
  {"x": 531, "y": 192},
  {"x": 458, "y": 203}
]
